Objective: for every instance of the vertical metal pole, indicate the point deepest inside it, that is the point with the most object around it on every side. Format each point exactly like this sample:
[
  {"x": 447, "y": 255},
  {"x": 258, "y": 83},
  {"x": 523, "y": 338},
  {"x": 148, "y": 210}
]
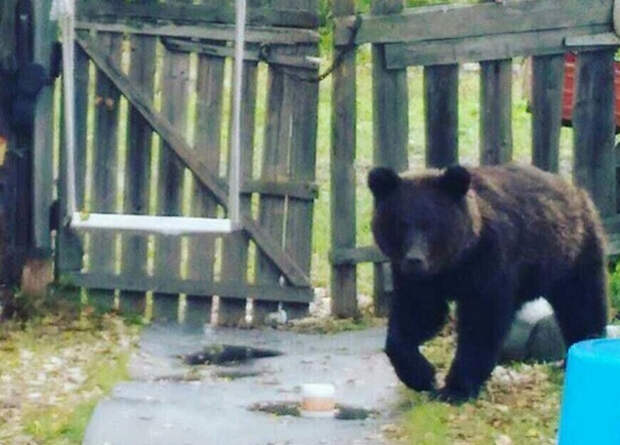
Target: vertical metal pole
[
  {"x": 234, "y": 212},
  {"x": 66, "y": 18}
]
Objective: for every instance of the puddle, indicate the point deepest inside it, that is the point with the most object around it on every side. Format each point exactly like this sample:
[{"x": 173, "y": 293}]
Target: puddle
[
  {"x": 343, "y": 412},
  {"x": 353, "y": 413},
  {"x": 227, "y": 355},
  {"x": 234, "y": 375},
  {"x": 278, "y": 409}
]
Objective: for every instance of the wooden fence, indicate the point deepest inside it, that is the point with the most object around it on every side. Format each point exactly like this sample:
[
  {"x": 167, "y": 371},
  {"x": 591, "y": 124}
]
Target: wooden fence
[
  {"x": 440, "y": 38},
  {"x": 152, "y": 97}
]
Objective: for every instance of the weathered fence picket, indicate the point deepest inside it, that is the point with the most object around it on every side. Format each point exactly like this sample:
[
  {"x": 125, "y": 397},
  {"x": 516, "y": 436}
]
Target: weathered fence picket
[
  {"x": 594, "y": 128},
  {"x": 104, "y": 169},
  {"x": 302, "y": 168},
  {"x": 274, "y": 163},
  {"x": 232, "y": 310},
  {"x": 342, "y": 172},
  {"x": 547, "y": 81},
  {"x": 175, "y": 92},
  {"x": 390, "y": 128},
  {"x": 134, "y": 261},
  {"x": 441, "y": 95},
  {"x": 496, "y": 112},
  {"x": 208, "y": 141}
]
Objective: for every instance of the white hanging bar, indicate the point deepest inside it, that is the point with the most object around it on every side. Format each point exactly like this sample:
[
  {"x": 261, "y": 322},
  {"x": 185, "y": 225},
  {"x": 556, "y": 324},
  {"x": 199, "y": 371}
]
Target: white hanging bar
[
  {"x": 145, "y": 224},
  {"x": 64, "y": 12}
]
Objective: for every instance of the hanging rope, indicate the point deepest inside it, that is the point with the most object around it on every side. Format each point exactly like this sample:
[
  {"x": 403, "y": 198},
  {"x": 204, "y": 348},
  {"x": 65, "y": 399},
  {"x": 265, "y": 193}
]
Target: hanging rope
[{"x": 341, "y": 52}]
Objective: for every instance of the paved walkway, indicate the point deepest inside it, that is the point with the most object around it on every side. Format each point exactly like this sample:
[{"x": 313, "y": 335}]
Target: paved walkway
[{"x": 169, "y": 403}]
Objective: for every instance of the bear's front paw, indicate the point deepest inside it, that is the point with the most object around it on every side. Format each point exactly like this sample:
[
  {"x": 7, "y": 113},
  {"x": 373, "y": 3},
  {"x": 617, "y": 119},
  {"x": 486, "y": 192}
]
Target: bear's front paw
[
  {"x": 420, "y": 377},
  {"x": 454, "y": 396}
]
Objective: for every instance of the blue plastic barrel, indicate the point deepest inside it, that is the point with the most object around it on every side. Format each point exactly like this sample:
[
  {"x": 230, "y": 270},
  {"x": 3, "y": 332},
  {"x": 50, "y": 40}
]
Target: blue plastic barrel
[{"x": 591, "y": 401}]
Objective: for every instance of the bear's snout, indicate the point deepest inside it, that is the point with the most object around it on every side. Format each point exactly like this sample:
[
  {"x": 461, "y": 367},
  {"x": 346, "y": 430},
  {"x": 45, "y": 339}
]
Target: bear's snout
[{"x": 413, "y": 265}]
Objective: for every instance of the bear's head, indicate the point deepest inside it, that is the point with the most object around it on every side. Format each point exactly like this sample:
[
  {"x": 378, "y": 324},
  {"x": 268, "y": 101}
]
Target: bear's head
[{"x": 424, "y": 223}]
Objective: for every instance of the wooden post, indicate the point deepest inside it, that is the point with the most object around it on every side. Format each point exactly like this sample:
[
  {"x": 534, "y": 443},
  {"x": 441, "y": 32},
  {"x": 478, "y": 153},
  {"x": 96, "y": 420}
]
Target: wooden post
[
  {"x": 441, "y": 95},
  {"x": 495, "y": 111},
  {"x": 208, "y": 143},
  {"x": 7, "y": 139},
  {"x": 102, "y": 248},
  {"x": 547, "y": 89},
  {"x": 299, "y": 213},
  {"x": 42, "y": 149},
  {"x": 21, "y": 155},
  {"x": 235, "y": 252},
  {"x": 594, "y": 128},
  {"x": 343, "y": 288},
  {"x": 390, "y": 128}
]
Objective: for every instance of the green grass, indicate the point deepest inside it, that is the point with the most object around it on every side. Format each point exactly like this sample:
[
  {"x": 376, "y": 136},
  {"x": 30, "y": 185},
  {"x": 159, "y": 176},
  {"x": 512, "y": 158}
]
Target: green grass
[
  {"x": 55, "y": 368},
  {"x": 66, "y": 425},
  {"x": 519, "y": 405}
]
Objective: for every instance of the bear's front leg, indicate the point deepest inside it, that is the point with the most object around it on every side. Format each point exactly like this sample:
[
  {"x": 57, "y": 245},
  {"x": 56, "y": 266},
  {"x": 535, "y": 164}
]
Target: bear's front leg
[
  {"x": 415, "y": 316},
  {"x": 483, "y": 323},
  {"x": 411, "y": 367}
]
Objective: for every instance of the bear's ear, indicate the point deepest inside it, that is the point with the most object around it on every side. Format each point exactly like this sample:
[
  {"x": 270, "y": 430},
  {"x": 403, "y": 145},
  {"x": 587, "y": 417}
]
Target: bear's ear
[
  {"x": 382, "y": 181},
  {"x": 455, "y": 181}
]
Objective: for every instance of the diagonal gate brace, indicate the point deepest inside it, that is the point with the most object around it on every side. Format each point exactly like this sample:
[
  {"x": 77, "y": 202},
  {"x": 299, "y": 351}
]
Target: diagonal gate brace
[{"x": 291, "y": 271}]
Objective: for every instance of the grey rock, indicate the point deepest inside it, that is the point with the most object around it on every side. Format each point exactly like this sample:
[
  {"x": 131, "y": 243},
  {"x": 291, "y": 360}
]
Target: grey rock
[{"x": 546, "y": 342}]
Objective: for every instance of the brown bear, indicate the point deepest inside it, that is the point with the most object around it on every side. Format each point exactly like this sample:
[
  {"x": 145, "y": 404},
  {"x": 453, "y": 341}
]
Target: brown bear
[{"x": 491, "y": 239}]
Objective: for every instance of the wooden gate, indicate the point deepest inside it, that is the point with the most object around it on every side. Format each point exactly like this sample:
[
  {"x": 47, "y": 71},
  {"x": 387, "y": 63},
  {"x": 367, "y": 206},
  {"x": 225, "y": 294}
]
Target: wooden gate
[{"x": 152, "y": 105}]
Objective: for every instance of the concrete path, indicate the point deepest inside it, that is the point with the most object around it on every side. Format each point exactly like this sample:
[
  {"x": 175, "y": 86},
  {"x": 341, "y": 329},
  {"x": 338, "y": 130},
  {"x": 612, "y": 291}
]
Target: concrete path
[{"x": 169, "y": 403}]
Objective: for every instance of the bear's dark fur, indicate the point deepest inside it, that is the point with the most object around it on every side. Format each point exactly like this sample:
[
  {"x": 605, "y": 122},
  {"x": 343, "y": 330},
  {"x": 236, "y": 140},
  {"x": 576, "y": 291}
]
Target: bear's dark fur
[{"x": 489, "y": 238}]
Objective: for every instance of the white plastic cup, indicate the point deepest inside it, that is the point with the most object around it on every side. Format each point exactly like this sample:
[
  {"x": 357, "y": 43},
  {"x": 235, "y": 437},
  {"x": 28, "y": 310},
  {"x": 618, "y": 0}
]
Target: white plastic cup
[{"x": 318, "y": 400}]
